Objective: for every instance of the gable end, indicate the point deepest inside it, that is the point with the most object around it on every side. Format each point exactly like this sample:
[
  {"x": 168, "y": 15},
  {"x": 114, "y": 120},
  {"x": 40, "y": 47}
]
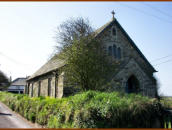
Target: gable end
[{"x": 109, "y": 24}]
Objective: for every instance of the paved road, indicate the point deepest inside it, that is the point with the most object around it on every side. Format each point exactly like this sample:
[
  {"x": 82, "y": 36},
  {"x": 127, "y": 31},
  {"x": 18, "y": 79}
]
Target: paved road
[{"x": 9, "y": 119}]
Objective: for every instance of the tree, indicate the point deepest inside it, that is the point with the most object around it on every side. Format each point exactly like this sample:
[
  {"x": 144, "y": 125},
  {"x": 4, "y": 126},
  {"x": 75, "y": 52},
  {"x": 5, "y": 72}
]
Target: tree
[
  {"x": 71, "y": 30},
  {"x": 4, "y": 82},
  {"x": 87, "y": 66}
]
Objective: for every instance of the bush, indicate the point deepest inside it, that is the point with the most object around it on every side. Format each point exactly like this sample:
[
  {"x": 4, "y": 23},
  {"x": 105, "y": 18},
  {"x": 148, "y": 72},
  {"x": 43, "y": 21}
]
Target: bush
[
  {"x": 167, "y": 102},
  {"x": 90, "y": 109}
]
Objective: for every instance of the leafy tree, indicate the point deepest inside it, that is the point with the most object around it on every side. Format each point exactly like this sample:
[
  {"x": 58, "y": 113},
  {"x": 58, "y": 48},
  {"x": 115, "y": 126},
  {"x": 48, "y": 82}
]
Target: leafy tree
[
  {"x": 87, "y": 66},
  {"x": 4, "y": 82}
]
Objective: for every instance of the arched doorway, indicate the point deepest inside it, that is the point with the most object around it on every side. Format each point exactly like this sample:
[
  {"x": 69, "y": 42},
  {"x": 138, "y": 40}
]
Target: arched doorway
[{"x": 132, "y": 85}]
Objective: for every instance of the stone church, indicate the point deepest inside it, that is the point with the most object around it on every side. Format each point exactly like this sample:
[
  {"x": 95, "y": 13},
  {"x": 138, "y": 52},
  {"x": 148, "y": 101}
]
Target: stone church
[{"x": 134, "y": 75}]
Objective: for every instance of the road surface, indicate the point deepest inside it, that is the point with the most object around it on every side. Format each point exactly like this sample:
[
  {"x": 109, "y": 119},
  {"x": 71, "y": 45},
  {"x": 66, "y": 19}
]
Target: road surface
[{"x": 9, "y": 119}]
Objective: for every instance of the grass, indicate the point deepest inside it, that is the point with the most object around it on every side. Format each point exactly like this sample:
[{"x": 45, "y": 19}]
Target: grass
[
  {"x": 167, "y": 104},
  {"x": 167, "y": 123},
  {"x": 90, "y": 109}
]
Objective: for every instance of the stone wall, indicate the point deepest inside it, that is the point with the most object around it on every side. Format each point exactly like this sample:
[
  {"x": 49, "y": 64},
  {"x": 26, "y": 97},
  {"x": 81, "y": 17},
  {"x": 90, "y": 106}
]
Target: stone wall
[
  {"x": 131, "y": 63},
  {"x": 44, "y": 87},
  {"x": 56, "y": 85},
  {"x": 35, "y": 89},
  {"x": 60, "y": 85}
]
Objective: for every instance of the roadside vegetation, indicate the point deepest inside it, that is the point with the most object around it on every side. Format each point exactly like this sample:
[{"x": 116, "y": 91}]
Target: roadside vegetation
[
  {"x": 4, "y": 81},
  {"x": 167, "y": 102},
  {"x": 89, "y": 109}
]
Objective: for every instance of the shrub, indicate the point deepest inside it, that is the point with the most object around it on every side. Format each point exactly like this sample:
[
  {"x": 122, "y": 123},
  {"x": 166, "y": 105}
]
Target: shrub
[
  {"x": 90, "y": 109},
  {"x": 167, "y": 102}
]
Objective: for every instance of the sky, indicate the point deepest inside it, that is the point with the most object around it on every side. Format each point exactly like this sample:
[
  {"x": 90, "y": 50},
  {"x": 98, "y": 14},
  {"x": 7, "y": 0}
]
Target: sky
[{"x": 28, "y": 30}]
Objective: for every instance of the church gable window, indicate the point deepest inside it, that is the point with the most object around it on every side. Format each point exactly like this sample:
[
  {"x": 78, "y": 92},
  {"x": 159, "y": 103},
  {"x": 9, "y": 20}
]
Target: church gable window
[
  {"x": 114, "y": 51},
  {"x": 119, "y": 53},
  {"x": 113, "y": 31},
  {"x": 110, "y": 50}
]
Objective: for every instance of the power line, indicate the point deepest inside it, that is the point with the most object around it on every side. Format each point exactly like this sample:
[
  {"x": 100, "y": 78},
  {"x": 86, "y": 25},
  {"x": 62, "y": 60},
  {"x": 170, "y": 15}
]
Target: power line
[
  {"x": 144, "y": 12},
  {"x": 9, "y": 58},
  {"x": 163, "y": 62},
  {"x": 13, "y": 60},
  {"x": 156, "y": 9},
  {"x": 161, "y": 58},
  {"x": 157, "y": 17}
]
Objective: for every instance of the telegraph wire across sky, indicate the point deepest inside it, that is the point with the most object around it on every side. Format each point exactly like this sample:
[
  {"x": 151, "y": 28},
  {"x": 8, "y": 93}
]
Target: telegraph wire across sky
[
  {"x": 146, "y": 13},
  {"x": 14, "y": 61},
  {"x": 24, "y": 65},
  {"x": 163, "y": 62},
  {"x": 156, "y": 9},
  {"x": 161, "y": 58},
  {"x": 9, "y": 58}
]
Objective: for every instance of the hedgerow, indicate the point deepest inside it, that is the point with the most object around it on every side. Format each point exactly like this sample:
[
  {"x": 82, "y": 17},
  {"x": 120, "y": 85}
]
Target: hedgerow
[
  {"x": 90, "y": 109},
  {"x": 167, "y": 102}
]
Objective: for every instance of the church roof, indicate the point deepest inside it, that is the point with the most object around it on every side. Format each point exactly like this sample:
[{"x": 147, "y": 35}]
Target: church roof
[
  {"x": 55, "y": 63},
  {"x": 101, "y": 29}
]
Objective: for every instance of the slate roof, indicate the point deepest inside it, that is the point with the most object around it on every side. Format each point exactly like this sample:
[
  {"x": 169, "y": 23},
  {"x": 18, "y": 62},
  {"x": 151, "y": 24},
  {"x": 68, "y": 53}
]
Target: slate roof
[
  {"x": 56, "y": 63},
  {"x": 101, "y": 29},
  {"x": 53, "y": 64},
  {"x": 19, "y": 82}
]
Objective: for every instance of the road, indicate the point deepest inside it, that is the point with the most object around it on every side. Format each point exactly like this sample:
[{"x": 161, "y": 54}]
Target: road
[{"x": 9, "y": 119}]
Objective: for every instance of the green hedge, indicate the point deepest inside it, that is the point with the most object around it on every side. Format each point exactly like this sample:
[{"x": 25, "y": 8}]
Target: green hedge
[
  {"x": 86, "y": 110},
  {"x": 167, "y": 102}
]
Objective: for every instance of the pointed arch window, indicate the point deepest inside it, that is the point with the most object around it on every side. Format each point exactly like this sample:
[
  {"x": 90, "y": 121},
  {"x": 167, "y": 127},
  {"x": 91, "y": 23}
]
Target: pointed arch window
[
  {"x": 110, "y": 51},
  {"x": 114, "y": 51},
  {"x": 119, "y": 53},
  {"x": 113, "y": 31}
]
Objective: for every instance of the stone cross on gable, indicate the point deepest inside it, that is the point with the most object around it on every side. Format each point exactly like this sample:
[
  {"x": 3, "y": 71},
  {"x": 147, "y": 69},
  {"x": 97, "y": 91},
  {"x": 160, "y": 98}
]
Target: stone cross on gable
[{"x": 113, "y": 13}]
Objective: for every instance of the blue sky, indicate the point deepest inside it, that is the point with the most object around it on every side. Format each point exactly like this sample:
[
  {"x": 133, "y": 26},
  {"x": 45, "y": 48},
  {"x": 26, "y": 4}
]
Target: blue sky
[{"x": 27, "y": 31}]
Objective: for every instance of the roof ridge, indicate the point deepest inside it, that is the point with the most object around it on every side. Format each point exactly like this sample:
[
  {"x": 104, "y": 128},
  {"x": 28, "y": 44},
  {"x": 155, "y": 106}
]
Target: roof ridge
[
  {"x": 99, "y": 30},
  {"x": 50, "y": 65}
]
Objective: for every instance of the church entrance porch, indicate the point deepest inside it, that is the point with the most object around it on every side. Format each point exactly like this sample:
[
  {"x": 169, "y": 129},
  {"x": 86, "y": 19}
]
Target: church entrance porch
[{"x": 132, "y": 85}]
